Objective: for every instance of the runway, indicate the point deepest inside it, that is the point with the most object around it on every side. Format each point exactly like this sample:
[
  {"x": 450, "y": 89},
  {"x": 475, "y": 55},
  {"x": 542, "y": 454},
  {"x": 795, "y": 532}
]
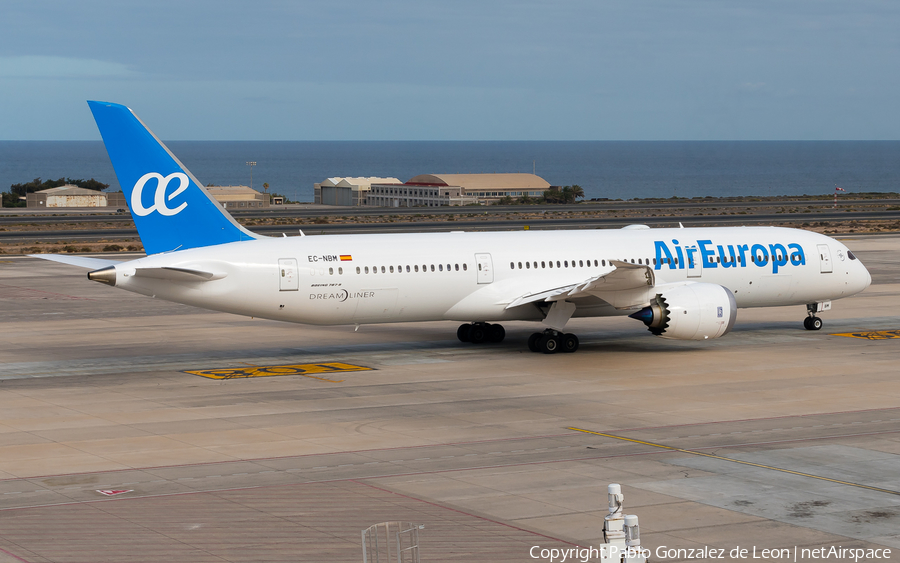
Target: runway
[{"x": 772, "y": 436}]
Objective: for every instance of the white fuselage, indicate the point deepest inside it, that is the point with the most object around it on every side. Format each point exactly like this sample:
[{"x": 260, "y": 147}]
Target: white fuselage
[{"x": 474, "y": 276}]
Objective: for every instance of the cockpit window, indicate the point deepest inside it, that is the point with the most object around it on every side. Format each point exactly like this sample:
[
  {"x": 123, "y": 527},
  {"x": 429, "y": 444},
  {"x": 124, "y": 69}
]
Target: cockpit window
[{"x": 851, "y": 255}]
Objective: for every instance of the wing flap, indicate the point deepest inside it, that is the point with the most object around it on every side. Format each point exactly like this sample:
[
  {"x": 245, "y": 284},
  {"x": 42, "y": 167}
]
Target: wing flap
[{"x": 624, "y": 287}]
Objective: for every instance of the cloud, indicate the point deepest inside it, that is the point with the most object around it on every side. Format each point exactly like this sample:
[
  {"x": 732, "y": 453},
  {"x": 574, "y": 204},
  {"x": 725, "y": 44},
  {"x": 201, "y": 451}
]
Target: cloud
[{"x": 33, "y": 66}]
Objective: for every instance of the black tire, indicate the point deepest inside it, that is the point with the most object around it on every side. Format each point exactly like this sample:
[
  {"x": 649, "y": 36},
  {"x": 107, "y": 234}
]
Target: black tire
[
  {"x": 463, "y": 332},
  {"x": 549, "y": 344},
  {"x": 533, "y": 341},
  {"x": 815, "y": 323},
  {"x": 477, "y": 334},
  {"x": 496, "y": 333},
  {"x": 806, "y": 324},
  {"x": 569, "y": 343}
]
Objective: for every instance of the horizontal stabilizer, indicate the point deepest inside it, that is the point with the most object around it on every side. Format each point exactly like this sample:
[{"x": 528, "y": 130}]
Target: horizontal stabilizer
[
  {"x": 80, "y": 261},
  {"x": 177, "y": 274}
]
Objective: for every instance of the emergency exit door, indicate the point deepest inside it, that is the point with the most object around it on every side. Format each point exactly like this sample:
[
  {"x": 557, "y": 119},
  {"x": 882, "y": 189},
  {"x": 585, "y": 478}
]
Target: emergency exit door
[
  {"x": 287, "y": 275},
  {"x": 485, "y": 267}
]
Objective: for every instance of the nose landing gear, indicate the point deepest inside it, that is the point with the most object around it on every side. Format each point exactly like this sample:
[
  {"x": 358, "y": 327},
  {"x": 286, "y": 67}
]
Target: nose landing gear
[{"x": 812, "y": 322}]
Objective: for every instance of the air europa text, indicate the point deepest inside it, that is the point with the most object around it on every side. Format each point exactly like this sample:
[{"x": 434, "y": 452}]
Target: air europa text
[{"x": 706, "y": 254}]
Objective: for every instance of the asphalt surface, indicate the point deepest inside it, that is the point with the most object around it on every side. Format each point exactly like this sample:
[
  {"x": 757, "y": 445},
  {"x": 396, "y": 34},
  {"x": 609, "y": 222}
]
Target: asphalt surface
[{"x": 491, "y": 224}]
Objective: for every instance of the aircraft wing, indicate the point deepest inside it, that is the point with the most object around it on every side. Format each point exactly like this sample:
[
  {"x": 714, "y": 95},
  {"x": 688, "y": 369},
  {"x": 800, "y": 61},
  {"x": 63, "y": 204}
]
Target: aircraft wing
[
  {"x": 624, "y": 288},
  {"x": 80, "y": 261}
]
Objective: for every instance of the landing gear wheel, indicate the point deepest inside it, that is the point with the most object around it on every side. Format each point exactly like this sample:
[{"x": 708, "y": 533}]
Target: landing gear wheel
[
  {"x": 477, "y": 333},
  {"x": 463, "y": 332},
  {"x": 569, "y": 343},
  {"x": 812, "y": 323},
  {"x": 533, "y": 341},
  {"x": 548, "y": 343},
  {"x": 496, "y": 333}
]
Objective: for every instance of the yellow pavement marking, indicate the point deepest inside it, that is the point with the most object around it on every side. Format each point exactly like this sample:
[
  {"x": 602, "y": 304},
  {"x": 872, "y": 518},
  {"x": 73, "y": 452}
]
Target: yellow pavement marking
[
  {"x": 872, "y": 335},
  {"x": 731, "y": 459},
  {"x": 305, "y": 370}
]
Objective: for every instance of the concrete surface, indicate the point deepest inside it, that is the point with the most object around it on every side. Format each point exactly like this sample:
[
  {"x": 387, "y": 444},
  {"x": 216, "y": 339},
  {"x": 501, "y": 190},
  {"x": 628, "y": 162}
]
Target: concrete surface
[{"x": 473, "y": 442}]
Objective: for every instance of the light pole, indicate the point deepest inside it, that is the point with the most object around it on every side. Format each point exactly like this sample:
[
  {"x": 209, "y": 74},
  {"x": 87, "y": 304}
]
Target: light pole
[{"x": 251, "y": 164}]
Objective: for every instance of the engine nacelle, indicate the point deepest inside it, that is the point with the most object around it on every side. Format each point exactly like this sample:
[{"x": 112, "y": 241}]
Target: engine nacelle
[{"x": 694, "y": 311}]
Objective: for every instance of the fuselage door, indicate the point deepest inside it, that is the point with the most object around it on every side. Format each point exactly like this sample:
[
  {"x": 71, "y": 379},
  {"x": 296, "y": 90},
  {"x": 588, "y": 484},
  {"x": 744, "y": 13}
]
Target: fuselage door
[
  {"x": 824, "y": 259},
  {"x": 287, "y": 274},
  {"x": 694, "y": 263},
  {"x": 485, "y": 268}
]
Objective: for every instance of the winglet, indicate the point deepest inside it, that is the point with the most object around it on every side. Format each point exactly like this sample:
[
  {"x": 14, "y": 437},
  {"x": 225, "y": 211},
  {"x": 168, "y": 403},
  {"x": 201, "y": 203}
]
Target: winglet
[{"x": 171, "y": 210}]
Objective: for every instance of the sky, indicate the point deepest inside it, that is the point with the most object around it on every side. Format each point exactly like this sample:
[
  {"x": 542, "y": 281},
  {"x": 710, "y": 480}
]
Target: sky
[{"x": 455, "y": 70}]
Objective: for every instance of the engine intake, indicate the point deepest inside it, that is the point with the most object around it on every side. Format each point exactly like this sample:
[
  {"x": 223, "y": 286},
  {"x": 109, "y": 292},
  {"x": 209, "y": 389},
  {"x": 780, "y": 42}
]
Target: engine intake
[{"x": 695, "y": 311}]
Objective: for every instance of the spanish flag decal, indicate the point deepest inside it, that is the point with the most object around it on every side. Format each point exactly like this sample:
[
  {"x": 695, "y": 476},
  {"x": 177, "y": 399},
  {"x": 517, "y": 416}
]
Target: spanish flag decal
[{"x": 346, "y": 258}]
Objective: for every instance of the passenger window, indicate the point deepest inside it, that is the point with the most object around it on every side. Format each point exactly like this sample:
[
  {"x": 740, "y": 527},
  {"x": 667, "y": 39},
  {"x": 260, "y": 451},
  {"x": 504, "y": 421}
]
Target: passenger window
[
  {"x": 465, "y": 267},
  {"x": 550, "y": 263},
  {"x": 639, "y": 261},
  {"x": 595, "y": 263},
  {"x": 520, "y": 265},
  {"x": 448, "y": 267},
  {"x": 512, "y": 265},
  {"x": 543, "y": 264},
  {"x": 457, "y": 267},
  {"x": 557, "y": 264},
  {"x": 357, "y": 269},
  {"x": 432, "y": 267},
  {"x": 340, "y": 271},
  {"x": 603, "y": 262},
  {"x": 367, "y": 269},
  {"x": 581, "y": 263},
  {"x": 382, "y": 269},
  {"x": 441, "y": 267},
  {"x": 527, "y": 265},
  {"x": 417, "y": 267},
  {"x": 330, "y": 271},
  {"x": 566, "y": 263},
  {"x": 407, "y": 269}
]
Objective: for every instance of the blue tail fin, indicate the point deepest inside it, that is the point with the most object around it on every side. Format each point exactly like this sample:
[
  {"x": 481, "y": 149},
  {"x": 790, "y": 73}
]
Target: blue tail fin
[{"x": 171, "y": 210}]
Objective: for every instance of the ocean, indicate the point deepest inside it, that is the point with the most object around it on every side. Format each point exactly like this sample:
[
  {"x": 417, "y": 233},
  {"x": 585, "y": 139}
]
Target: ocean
[{"x": 604, "y": 169}]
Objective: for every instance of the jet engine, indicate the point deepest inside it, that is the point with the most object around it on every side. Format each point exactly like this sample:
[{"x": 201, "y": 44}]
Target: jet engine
[{"x": 694, "y": 311}]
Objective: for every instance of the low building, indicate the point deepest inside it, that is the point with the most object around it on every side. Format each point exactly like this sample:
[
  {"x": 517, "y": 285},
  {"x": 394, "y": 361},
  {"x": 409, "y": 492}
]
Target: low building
[
  {"x": 238, "y": 197},
  {"x": 347, "y": 191},
  {"x": 434, "y": 190},
  {"x": 73, "y": 196}
]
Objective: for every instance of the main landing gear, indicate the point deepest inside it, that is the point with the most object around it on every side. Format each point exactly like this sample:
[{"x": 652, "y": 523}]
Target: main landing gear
[
  {"x": 476, "y": 333},
  {"x": 552, "y": 341},
  {"x": 812, "y": 322}
]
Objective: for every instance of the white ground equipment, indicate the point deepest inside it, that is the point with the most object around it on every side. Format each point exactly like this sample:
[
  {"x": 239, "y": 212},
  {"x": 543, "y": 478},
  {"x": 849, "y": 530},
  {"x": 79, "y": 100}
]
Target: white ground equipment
[{"x": 621, "y": 532}]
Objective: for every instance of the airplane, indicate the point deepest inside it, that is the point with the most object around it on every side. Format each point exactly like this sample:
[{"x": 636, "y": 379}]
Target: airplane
[{"x": 682, "y": 283}]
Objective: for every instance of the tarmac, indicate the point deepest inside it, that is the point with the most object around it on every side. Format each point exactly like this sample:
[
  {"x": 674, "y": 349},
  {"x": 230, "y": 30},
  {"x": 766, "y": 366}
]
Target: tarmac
[{"x": 770, "y": 437}]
